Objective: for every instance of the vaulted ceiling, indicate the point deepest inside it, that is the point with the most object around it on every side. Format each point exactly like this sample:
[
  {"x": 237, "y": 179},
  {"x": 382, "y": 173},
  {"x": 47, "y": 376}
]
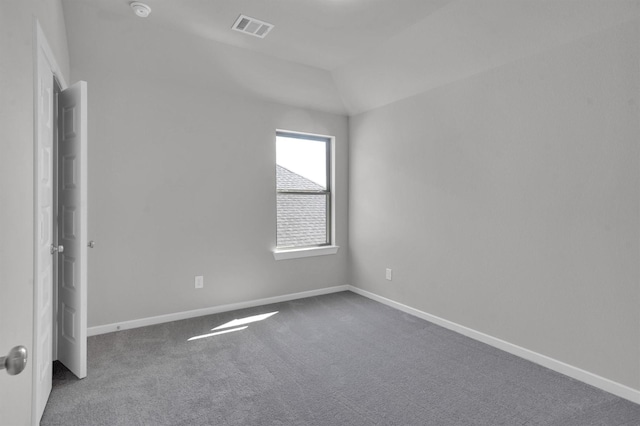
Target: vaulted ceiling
[{"x": 341, "y": 56}]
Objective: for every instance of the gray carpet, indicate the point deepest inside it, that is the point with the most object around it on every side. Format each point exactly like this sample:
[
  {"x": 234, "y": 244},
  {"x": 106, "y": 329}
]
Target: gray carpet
[{"x": 339, "y": 359}]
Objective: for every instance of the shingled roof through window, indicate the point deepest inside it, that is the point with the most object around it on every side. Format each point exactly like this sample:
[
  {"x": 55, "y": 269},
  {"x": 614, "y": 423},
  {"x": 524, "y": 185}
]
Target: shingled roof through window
[
  {"x": 302, "y": 218},
  {"x": 287, "y": 179}
]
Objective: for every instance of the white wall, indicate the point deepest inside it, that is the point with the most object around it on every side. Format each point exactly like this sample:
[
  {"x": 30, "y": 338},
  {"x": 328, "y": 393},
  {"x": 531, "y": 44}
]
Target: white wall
[
  {"x": 16, "y": 182},
  {"x": 182, "y": 183},
  {"x": 508, "y": 202}
]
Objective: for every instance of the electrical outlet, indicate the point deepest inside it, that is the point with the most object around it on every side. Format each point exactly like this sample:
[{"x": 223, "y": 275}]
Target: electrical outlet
[
  {"x": 199, "y": 281},
  {"x": 389, "y": 274}
]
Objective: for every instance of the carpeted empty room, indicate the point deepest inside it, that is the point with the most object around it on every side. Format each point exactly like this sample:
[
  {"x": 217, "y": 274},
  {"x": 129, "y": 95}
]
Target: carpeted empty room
[
  {"x": 337, "y": 359},
  {"x": 319, "y": 212}
]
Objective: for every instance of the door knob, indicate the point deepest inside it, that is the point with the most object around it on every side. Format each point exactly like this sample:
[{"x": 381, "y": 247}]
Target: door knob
[
  {"x": 15, "y": 361},
  {"x": 91, "y": 244},
  {"x": 59, "y": 249}
]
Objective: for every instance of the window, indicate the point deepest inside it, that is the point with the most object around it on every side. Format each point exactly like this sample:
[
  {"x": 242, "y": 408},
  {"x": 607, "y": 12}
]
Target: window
[{"x": 304, "y": 198}]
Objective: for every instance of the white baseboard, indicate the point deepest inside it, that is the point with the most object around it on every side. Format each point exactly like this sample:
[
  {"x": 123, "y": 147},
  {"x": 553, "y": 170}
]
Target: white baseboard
[
  {"x": 550, "y": 363},
  {"x": 143, "y": 322}
]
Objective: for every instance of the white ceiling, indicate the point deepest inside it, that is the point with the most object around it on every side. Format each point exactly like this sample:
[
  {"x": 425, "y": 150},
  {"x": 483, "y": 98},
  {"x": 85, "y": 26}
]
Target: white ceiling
[
  {"x": 320, "y": 33},
  {"x": 341, "y": 56}
]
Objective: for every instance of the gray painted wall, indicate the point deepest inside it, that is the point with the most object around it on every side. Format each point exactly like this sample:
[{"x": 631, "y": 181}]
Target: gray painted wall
[
  {"x": 508, "y": 202},
  {"x": 16, "y": 180},
  {"x": 182, "y": 183}
]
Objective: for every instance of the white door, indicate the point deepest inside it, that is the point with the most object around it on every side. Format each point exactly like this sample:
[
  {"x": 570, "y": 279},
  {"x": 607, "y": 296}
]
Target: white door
[
  {"x": 23, "y": 397},
  {"x": 72, "y": 228},
  {"x": 44, "y": 252}
]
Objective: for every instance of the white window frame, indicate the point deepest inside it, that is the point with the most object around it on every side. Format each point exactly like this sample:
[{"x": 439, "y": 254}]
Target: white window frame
[{"x": 330, "y": 247}]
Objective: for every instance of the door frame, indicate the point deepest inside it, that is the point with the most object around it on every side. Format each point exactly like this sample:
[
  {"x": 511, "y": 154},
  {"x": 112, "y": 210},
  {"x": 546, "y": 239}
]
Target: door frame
[
  {"x": 41, "y": 47},
  {"x": 57, "y": 88}
]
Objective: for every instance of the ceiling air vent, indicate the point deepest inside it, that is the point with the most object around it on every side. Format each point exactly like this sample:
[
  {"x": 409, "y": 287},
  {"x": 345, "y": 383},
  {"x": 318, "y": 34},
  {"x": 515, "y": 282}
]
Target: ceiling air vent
[{"x": 252, "y": 26}]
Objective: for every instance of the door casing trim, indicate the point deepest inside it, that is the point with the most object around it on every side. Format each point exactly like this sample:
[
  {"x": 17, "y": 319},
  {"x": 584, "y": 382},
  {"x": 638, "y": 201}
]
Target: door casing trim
[{"x": 40, "y": 47}]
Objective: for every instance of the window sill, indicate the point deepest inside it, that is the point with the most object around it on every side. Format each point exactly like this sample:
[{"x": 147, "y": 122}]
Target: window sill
[{"x": 304, "y": 252}]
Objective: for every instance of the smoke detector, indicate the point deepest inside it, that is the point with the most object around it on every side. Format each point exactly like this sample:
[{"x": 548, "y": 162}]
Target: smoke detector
[
  {"x": 252, "y": 26},
  {"x": 141, "y": 9}
]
